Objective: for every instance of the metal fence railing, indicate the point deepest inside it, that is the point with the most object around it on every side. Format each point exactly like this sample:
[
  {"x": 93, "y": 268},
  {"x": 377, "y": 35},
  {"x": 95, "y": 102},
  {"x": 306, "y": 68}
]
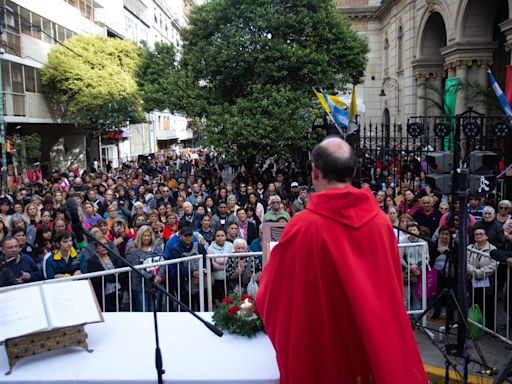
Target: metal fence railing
[
  {"x": 485, "y": 289},
  {"x": 202, "y": 291},
  {"x": 222, "y": 280},
  {"x": 176, "y": 276},
  {"x": 414, "y": 254}
]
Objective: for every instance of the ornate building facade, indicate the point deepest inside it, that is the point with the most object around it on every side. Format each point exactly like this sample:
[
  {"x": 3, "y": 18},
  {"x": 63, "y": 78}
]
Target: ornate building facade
[{"x": 417, "y": 41}]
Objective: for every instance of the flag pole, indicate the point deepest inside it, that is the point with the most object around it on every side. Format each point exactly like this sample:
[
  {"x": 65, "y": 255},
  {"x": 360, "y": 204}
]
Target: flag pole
[{"x": 332, "y": 118}]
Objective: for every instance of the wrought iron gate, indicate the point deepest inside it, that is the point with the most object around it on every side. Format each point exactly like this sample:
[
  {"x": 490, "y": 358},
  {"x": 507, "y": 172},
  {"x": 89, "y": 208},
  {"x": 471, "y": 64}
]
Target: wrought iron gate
[{"x": 398, "y": 149}]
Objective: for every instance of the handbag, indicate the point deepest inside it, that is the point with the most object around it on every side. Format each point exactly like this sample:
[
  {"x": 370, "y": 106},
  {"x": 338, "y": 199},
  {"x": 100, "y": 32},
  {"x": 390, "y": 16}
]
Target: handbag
[
  {"x": 431, "y": 276},
  {"x": 252, "y": 287},
  {"x": 475, "y": 315}
]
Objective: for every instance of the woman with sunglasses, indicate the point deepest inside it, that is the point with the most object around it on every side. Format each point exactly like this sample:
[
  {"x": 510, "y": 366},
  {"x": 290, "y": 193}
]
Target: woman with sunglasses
[{"x": 503, "y": 211}]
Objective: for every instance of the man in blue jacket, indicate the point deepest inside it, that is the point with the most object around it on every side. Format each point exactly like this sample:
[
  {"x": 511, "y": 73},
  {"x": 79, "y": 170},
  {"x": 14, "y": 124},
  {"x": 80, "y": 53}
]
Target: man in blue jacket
[
  {"x": 186, "y": 247},
  {"x": 23, "y": 267}
]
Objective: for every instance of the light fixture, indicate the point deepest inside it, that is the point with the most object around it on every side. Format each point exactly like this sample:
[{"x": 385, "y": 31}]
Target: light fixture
[
  {"x": 382, "y": 93},
  {"x": 441, "y": 130},
  {"x": 501, "y": 129},
  {"x": 415, "y": 129},
  {"x": 471, "y": 129}
]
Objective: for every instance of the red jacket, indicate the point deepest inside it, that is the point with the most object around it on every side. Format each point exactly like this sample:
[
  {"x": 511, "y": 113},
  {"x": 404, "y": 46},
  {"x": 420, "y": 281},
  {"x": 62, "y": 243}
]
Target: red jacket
[{"x": 331, "y": 296}]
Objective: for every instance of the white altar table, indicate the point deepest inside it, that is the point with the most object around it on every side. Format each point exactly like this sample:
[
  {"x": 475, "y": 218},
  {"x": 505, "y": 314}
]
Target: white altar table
[{"x": 124, "y": 353}]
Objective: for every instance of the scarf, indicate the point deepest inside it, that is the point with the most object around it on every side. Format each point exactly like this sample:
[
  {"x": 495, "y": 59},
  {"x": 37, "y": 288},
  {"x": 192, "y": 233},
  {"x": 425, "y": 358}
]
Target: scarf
[{"x": 242, "y": 228}]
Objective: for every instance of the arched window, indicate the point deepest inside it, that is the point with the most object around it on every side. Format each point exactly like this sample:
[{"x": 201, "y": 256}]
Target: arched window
[
  {"x": 400, "y": 40},
  {"x": 386, "y": 57}
]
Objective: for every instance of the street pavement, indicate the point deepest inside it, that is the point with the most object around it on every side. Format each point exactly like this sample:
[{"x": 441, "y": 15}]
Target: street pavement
[{"x": 495, "y": 352}]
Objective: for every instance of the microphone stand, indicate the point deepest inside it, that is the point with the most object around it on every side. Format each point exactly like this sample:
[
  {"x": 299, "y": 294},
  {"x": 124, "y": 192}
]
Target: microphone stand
[{"x": 153, "y": 288}]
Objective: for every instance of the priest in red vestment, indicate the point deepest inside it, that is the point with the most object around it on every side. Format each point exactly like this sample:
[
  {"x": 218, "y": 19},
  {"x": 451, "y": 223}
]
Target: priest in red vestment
[{"x": 331, "y": 294}]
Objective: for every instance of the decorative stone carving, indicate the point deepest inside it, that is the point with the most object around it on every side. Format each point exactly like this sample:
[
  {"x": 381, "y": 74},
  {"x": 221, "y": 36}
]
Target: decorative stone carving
[
  {"x": 430, "y": 5},
  {"x": 351, "y": 3},
  {"x": 360, "y": 25},
  {"x": 400, "y": 6}
]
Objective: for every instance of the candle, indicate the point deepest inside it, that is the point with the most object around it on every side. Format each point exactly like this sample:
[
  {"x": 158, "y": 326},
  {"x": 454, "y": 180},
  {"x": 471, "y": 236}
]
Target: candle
[{"x": 246, "y": 305}]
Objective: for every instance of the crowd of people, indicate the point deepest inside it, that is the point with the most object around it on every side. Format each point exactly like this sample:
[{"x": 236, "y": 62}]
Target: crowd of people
[
  {"x": 191, "y": 202},
  {"x": 424, "y": 215},
  {"x": 176, "y": 204}
]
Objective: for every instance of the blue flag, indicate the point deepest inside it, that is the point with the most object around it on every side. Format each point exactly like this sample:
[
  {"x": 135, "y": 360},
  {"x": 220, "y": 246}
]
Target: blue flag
[
  {"x": 339, "y": 114},
  {"x": 499, "y": 93}
]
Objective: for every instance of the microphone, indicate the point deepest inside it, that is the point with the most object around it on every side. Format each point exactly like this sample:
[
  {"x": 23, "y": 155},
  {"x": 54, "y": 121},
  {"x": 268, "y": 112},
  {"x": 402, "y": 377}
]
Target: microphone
[
  {"x": 76, "y": 224},
  {"x": 489, "y": 372}
]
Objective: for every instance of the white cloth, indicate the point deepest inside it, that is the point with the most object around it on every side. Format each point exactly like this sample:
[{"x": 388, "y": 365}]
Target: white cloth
[{"x": 124, "y": 349}]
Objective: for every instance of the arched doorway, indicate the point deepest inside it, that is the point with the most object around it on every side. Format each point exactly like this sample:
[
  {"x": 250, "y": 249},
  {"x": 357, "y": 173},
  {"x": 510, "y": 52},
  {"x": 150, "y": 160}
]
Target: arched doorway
[
  {"x": 500, "y": 57},
  {"x": 479, "y": 29},
  {"x": 434, "y": 37},
  {"x": 429, "y": 67}
]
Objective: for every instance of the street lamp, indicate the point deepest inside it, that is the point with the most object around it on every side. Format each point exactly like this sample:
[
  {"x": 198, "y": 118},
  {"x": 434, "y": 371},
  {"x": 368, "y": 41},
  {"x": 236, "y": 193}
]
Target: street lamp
[{"x": 395, "y": 84}]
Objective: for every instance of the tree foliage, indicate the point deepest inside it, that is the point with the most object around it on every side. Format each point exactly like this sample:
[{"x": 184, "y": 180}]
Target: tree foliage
[
  {"x": 29, "y": 146},
  {"x": 248, "y": 68},
  {"x": 91, "y": 82},
  {"x": 475, "y": 93},
  {"x": 160, "y": 81}
]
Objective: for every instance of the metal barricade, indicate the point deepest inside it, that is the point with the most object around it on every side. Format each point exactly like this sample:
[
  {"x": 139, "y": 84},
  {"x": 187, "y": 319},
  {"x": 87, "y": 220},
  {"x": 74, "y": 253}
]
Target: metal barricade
[
  {"x": 410, "y": 254},
  {"x": 224, "y": 258},
  {"x": 175, "y": 285},
  {"x": 484, "y": 289}
]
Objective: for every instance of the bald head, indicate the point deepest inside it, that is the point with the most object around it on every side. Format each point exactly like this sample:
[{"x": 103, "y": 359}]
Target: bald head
[
  {"x": 337, "y": 147},
  {"x": 335, "y": 160}
]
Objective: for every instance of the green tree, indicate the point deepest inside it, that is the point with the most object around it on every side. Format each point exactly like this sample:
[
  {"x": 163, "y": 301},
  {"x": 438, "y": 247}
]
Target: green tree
[
  {"x": 159, "y": 78},
  {"x": 91, "y": 82},
  {"x": 28, "y": 148},
  {"x": 248, "y": 68}
]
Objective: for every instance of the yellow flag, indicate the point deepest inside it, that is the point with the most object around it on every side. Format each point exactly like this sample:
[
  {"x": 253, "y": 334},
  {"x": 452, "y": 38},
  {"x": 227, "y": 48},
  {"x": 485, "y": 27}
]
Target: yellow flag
[
  {"x": 353, "y": 104},
  {"x": 323, "y": 102},
  {"x": 336, "y": 100}
]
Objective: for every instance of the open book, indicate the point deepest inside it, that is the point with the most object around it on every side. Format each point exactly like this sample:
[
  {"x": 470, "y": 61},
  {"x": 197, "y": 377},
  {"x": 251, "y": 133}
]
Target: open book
[{"x": 43, "y": 307}]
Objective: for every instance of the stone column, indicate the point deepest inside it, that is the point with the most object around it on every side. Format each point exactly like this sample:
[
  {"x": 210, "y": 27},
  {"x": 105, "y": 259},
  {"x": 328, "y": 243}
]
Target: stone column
[
  {"x": 482, "y": 78},
  {"x": 438, "y": 84},
  {"x": 506, "y": 28},
  {"x": 462, "y": 73},
  {"x": 420, "y": 100},
  {"x": 449, "y": 67}
]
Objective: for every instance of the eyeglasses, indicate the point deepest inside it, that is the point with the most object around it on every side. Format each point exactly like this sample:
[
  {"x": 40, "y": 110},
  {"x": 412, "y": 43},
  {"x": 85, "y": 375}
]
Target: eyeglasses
[
  {"x": 158, "y": 231},
  {"x": 504, "y": 208},
  {"x": 479, "y": 234}
]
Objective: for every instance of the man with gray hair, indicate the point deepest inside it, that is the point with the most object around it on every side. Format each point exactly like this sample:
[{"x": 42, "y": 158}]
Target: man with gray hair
[
  {"x": 428, "y": 216},
  {"x": 492, "y": 226},
  {"x": 300, "y": 202},
  {"x": 190, "y": 217}
]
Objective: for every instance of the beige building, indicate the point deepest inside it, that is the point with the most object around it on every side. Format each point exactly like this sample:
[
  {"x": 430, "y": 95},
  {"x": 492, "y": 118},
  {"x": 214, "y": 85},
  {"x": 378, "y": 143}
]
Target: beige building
[{"x": 416, "y": 41}]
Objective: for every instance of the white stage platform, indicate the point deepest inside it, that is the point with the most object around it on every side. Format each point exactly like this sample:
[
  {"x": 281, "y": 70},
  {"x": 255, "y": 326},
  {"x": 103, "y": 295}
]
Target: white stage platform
[{"x": 124, "y": 348}]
